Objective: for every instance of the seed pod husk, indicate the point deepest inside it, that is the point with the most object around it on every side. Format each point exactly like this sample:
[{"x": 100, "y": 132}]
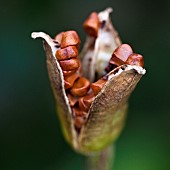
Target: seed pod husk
[
  {"x": 107, "y": 113},
  {"x": 98, "y": 50}
]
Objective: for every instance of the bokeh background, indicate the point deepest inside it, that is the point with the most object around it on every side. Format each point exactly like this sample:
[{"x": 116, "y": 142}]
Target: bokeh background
[{"x": 30, "y": 135}]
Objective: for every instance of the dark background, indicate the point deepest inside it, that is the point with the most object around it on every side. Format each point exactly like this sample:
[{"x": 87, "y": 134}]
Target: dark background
[{"x": 30, "y": 135}]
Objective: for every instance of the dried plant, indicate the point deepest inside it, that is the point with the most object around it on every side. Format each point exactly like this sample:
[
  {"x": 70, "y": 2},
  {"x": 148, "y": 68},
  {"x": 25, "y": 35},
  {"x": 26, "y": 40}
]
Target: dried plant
[{"x": 92, "y": 88}]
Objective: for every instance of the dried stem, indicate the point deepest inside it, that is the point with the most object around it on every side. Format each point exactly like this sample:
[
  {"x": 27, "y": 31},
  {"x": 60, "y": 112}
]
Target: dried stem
[{"x": 103, "y": 160}]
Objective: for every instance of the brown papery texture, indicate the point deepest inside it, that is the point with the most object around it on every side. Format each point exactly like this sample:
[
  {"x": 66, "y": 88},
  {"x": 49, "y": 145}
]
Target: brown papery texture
[
  {"x": 90, "y": 123},
  {"x": 63, "y": 109},
  {"x": 108, "y": 112}
]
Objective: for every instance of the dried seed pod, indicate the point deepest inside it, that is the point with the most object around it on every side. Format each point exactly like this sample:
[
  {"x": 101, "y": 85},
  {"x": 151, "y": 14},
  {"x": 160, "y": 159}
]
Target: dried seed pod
[
  {"x": 97, "y": 86},
  {"x": 135, "y": 59},
  {"x": 107, "y": 113},
  {"x": 91, "y": 25},
  {"x": 85, "y": 101},
  {"x": 67, "y": 53},
  {"x": 81, "y": 87},
  {"x": 97, "y": 50},
  {"x": 70, "y": 38},
  {"x": 108, "y": 110},
  {"x": 70, "y": 64},
  {"x": 69, "y": 80},
  {"x": 121, "y": 54}
]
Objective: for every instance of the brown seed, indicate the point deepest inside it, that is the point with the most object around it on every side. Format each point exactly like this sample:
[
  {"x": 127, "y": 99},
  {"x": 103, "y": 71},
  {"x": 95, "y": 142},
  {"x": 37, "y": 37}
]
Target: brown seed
[
  {"x": 97, "y": 86},
  {"x": 70, "y": 38},
  {"x": 71, "y": 99},
  {"x": 58, "y": 37},
  {"x": 121, "y": 54},
  {"x": 85, "y": 101},
  {"x": 78, "y": 112},
  {"x": 69, "y": 80},
  {"x": 80, "y": 87},
  {"x": 79, "y": 122},
  {"x": 91, "y": 25},
  {"x": 68, "y": 73},
  {"x": 70, "y": 64},
  {"x": 135, "y": 59},
  {"x": 66, "y": 53}
]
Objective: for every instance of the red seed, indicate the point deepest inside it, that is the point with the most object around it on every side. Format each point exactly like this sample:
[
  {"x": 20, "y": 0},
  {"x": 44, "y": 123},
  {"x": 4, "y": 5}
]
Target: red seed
[
  {"x": 67, "y": 53},
  {"x": 80, "y": 87},
  {"x": 85, "y": 101},
  {"x": 69, "y": 80},
  {"x": 70, "y": 38},
  {"x": 70, "y": 64},
  {"x": 79, "y": 122},
  {"x": 71, "y": 99},
  {"x": 78, "y": 112},
  {"x": 121, "y": 54},
  {"x": 135, "y": 59},
  {"x": 68, "y": 73},
  {"x": 91, "y": 25},
  {"x": 97, "y": 86}
]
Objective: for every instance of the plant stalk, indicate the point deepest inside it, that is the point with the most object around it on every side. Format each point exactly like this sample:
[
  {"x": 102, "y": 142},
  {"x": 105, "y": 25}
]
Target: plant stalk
[{"x": 102, "y": 160}]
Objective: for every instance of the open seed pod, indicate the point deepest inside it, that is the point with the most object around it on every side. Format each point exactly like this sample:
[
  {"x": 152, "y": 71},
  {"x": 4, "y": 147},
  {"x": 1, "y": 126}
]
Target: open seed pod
[{"x": 91, "y": 115}]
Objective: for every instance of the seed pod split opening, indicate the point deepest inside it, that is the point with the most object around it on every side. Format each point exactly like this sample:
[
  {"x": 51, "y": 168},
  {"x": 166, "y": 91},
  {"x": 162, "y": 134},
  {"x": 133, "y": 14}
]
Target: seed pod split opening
[{"x": 92, "y": 91}]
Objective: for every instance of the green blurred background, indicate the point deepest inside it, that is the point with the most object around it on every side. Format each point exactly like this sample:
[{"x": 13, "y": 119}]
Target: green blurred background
[{"x": 30, "y": 135}]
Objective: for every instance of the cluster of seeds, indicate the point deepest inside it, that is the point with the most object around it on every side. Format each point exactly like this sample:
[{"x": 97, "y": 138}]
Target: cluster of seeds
[
  {"x": 124, "y": 55},
  {"x": 79, "y": 90}
]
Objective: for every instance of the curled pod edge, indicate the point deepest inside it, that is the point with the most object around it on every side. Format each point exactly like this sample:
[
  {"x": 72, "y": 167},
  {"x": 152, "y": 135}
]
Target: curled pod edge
[{"x": 107, "y": 113}]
